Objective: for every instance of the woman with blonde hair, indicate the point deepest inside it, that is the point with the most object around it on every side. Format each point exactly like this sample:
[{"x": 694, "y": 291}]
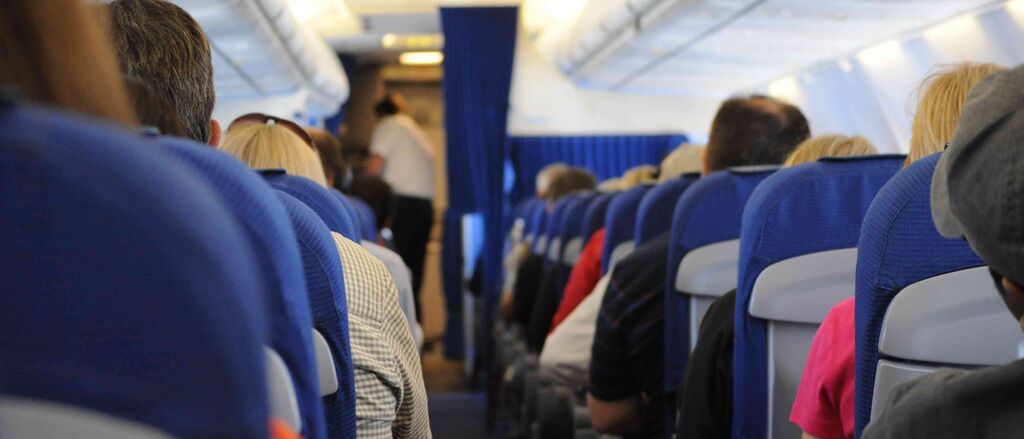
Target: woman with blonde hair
[
  {"x": 829, "y": 145},
  {"x": 941, "y": 99},
  {"x": 272, "y": 145},
  {"x": 824, "y": 402},
  {"x": 384, "y": 352}
]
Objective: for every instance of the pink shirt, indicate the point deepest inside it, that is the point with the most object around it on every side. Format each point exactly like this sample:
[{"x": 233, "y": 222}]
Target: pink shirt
[{"x": 824, "y": 403}]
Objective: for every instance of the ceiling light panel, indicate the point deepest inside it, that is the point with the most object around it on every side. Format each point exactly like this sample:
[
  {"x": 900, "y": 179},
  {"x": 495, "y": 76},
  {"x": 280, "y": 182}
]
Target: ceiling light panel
[{"x": 739, "y": 44}]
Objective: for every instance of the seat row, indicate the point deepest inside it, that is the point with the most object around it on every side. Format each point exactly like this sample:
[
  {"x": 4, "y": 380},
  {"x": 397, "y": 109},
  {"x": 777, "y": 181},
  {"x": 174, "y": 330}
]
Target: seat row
[
  {"x": 793, "y": 243},
  {"x": 156, "y": 286}
]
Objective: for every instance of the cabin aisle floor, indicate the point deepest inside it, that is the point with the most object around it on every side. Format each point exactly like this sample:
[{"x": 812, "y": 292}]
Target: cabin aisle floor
[{"x": 455, "y": 410}]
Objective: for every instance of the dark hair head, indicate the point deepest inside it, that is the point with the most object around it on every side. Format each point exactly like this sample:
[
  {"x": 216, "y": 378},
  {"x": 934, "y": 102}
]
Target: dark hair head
[
  {"x": 153, "y": 110},
  {"x": 572, "y": 180},
  {"x": 387, "y": 106},
  {"x": 329, "y": 148},
  {"x": 160, "y": 43},
  {"x": 377, "y": 193},
  {"x": 755, "y": 130}
]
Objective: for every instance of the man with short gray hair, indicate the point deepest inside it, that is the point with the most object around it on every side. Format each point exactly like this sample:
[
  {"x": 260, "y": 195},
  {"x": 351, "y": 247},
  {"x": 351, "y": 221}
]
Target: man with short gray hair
[
  {"x": 160, "y": 43},
  {"x": 977, "y": 195}
]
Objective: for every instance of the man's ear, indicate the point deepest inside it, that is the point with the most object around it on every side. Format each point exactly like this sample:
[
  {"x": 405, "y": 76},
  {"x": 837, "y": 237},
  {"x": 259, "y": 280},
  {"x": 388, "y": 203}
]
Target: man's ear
[
  {"x": 215, "y": 133},
  {"x": 1014, "y": 298}
]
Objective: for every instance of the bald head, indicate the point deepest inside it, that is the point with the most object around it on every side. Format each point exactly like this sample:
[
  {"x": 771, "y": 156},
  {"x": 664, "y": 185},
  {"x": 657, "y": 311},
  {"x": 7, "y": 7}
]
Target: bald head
[{"x": 755, "y": 130}]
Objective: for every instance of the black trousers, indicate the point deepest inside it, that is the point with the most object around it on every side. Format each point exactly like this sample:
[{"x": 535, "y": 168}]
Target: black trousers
[{"x": 410, "y": 225}]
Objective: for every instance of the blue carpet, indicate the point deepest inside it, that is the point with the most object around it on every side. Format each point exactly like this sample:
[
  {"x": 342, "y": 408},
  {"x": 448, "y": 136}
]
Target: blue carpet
[{"x": 459, "y": 415}]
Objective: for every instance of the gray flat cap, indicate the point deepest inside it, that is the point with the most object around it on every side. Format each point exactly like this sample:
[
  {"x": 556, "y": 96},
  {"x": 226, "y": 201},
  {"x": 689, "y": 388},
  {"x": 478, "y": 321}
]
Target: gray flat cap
[{"x": 978, "y": 188}]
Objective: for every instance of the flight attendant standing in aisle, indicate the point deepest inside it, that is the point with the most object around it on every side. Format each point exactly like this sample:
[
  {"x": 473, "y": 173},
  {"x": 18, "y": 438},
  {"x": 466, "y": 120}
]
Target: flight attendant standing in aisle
[{"x": 401, "y": 153}]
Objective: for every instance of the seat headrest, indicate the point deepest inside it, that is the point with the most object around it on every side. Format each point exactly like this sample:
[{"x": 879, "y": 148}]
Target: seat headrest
[
  {"x": 268, "y": 227},
  {"x": 325, "y": 282},
  {"x": 898, "y": 246},
  {"x": 572, "y": 219},
  {"x": 651, "y": 219},
  {"x": 114, "y": 250},
  {"x": 620, "y": 221},
  {"x": 805, "y": 209},
  {"x": 708, "y": 212},
  {"x": 593, "y": 216},
  {"x": 367, "y": 219},
  {"x": 321, "y": 200}
]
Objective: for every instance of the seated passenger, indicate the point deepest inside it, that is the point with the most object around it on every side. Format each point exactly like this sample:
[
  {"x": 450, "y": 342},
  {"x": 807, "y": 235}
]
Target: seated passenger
[
  {"x": 377, "y": 193},
  {"x": 565, "y": 358},
  {"x": 824, "y": 402},
  {"x": 975, "y": 189},
  {"x": 585, "y": 274},
  {"x": 390, "y": 397},
  {"x": 543, "y": 302},
  {"x": 705, "y": 393},
  {"x": 153, "y": 109},
  {"x": 329, "y": 148},
  {"x": 520, "y": 250},
  {"x": 75, "y": 71},
  {"x": 626, "y": 369}
]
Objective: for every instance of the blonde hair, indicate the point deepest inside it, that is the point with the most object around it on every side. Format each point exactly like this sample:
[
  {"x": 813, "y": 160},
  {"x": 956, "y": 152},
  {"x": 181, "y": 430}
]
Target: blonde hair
[
  {"x": 829, "y": 145},
  {"x": 942, "y": 97},
  {"x": 268, "y": 146},
  {"x": 638, "y": 175},
  {"x": 682, "y": 160}
]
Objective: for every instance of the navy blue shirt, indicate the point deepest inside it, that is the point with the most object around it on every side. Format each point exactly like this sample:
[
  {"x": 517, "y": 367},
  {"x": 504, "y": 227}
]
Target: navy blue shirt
[{"x": 627, "y": 352}]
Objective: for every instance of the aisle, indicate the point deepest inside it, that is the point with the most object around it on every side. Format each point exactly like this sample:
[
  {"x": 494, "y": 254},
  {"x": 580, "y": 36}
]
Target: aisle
[{"x": 455, "y": 411}]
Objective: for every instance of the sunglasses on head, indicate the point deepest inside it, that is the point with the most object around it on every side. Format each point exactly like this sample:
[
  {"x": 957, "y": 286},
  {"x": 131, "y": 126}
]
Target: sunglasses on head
[{"x": 252, "y": 118}]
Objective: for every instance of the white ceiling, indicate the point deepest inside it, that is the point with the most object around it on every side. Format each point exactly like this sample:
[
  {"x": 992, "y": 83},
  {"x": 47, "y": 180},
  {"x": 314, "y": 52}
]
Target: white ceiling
[{"x": 717, "y": 47}]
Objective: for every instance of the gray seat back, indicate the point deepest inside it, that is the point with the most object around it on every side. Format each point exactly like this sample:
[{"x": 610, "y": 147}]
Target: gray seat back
[
  {"x": 938, "y": 323},
  {"x": 793, "y": 296}
]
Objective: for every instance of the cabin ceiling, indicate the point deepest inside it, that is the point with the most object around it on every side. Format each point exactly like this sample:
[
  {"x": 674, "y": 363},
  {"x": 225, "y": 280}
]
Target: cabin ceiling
[{"x": 716, "y": 47}]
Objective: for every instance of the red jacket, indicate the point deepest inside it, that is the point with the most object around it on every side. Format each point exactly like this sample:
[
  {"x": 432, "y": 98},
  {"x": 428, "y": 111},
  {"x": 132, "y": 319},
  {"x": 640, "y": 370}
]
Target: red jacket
[{"x": 585, "y": 275}]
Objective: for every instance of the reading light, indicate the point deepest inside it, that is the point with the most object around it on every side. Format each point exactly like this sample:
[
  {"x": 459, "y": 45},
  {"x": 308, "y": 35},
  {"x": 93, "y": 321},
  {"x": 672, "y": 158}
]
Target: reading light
[{"x": 421, "y": 58}]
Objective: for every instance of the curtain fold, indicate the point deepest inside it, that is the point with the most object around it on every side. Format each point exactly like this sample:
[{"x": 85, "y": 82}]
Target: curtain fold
[
  {"x": 605, "y": 156},
  {"x": 479, "y": 49}
]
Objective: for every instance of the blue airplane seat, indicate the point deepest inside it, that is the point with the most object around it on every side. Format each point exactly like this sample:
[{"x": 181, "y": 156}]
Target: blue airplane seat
[
  {"x": 129, "y": 291},
  {"x": 620, "y": 224},
  {"x": 325, "y": 282},
  {"x": 334, "y": 213},
  {"x": 553, "y": 232},
  {"x": 593, "y": 217},
  {"x": 899, "y": 247},
  {"x": 367, "y": 219},
  {"x": 266, "y": 224},
  {"x": 651, "y": 216},
  {"x": 703, "y": 255},
  {"x": 798, "y": 253},
  {"x": 354, "y": 216},
  {"x": 572, "y": 236},
  {"x": 536, "y": 224}
]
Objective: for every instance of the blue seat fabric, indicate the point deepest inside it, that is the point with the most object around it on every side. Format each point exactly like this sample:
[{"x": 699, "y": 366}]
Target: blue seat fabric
[
  {"x": 898, "y": 246},
  {"x": 367, "y": 220},
  {"x": 806, "y": 209},
  {"x": 593, "y": 217},
  {"x": 267, "y": 227},
  {"x": 709, "y": 211},
  {"x": 620, "y": 221},
  {"x": 652, "y": 218},
  {"x": 325, "y": 283},
  {"x": 321, "y": 200},
  {"x": 128, "y": 289}
]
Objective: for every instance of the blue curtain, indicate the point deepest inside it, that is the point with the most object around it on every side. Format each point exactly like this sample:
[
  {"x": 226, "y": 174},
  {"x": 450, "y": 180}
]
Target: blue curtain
[
  {"x": 605, "y": 156},
  {"x": 479, "y": 48}
]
